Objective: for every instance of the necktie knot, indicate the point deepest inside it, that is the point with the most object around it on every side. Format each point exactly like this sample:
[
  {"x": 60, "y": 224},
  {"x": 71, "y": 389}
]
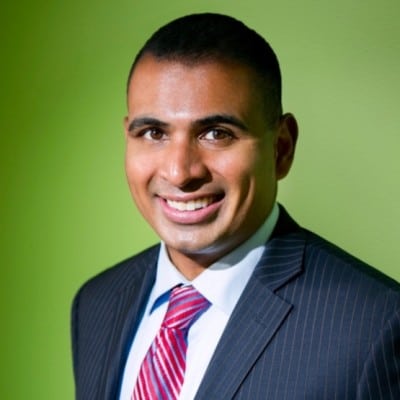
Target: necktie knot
[{"x": 185, "y": 305}]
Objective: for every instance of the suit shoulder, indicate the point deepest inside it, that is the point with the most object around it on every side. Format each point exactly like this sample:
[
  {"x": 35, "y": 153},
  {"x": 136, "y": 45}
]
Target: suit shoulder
[
  {"x": 122, "y": 274},
  {"x": 347, "y": 264}
]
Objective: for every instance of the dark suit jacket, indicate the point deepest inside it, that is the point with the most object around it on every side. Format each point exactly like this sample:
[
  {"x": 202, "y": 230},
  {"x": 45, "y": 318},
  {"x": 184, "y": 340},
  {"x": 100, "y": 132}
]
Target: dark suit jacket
[{"x": 312, "y": 323}]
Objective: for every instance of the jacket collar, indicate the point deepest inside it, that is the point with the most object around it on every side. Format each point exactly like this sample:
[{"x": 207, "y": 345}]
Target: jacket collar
[
  {"x": 128, "y": 307},
  {"x": 259, "y": 314}
]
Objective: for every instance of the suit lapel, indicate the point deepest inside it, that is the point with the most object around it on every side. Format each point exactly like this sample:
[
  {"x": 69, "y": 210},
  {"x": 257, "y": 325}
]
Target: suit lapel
[
  {"x": 258, "y": 315},
  {"x": 129, "y": 303}
]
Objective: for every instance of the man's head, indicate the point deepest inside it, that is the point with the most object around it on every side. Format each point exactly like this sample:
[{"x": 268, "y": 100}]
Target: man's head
[{"x": 204, "y": 149}]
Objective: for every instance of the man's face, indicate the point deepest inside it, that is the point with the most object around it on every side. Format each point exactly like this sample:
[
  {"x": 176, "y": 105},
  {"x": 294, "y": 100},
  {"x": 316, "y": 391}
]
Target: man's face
[{"x": 201, "y": 161}]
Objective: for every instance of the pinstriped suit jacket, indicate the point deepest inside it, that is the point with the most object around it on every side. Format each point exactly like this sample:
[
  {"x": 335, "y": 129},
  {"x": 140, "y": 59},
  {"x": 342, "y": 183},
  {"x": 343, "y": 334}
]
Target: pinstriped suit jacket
[{"x": 312, "y": 323}]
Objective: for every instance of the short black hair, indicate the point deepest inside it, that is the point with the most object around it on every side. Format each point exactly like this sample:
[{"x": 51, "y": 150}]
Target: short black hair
[{"x": 205, "y": 37}]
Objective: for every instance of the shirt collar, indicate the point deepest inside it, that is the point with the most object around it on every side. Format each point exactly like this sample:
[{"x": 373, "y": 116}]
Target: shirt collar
[{"x": 224, "y": 281}]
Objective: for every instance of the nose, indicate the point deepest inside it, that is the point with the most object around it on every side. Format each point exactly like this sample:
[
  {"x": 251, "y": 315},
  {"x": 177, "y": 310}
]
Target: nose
[{"x": 183, "y": 163}]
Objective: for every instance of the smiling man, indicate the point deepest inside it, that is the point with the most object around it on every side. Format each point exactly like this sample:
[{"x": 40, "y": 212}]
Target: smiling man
[{"x": 238, "y": 301}]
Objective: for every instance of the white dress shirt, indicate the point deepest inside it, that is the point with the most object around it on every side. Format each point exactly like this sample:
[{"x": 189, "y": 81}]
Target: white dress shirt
[{"x": 221, "y": 284}]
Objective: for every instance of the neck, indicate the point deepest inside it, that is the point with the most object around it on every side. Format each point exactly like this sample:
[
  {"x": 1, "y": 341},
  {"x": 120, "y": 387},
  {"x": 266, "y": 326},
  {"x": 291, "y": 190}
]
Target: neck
[{"x": 190, "y": 266}]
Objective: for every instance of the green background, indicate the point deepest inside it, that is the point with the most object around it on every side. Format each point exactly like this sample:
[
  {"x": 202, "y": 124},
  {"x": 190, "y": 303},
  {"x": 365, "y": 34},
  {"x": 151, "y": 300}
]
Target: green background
[{"x": 66, "y": 212}]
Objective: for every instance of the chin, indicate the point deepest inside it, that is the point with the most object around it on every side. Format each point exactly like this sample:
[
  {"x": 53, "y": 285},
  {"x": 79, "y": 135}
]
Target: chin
[{"x": 186, "y": 246}]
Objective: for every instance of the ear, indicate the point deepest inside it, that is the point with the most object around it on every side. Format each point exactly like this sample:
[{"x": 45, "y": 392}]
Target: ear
[
  {"x": 285, "y": 144},
  {"x": 126, "y": 126}
]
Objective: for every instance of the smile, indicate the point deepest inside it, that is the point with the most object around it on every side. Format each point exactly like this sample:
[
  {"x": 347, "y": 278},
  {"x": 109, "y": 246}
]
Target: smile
[{"x": 191, "y": 205}]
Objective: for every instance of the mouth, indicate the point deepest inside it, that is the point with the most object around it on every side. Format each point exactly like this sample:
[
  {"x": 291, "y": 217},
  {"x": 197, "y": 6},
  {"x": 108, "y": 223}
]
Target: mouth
[
  {"x": 192, "y": 205},
  {"x": 197, "y": 210}
]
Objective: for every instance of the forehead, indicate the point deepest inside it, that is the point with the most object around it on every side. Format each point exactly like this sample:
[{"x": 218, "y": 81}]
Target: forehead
[
  {"x": 149, "y": 64},
  {"x": 205, "y": 86}
]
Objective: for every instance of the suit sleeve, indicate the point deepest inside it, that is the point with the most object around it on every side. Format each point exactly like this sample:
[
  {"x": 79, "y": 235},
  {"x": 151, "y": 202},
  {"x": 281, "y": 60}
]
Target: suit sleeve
[
  {"x": 74, "y": 334},
  {"x": 381, "y": 374}
]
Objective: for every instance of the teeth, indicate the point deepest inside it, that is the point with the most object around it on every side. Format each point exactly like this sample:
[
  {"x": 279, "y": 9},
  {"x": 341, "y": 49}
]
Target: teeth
[{"x": 190, "y": 205}]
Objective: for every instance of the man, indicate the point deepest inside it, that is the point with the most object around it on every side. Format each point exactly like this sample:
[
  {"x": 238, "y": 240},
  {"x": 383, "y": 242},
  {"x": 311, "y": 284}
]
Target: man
[{"x": 282, "y": 313}]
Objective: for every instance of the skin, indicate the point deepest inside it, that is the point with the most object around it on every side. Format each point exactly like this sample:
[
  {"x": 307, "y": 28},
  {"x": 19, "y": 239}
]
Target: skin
[{"x": 197, "y": 136}]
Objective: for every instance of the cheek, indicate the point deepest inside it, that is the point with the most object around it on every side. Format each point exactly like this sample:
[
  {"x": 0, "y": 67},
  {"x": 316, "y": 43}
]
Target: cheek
[
  {"x": 138, "y": 172},
  {"x": 249, "y": 178},
  {"x": 237, "y": 169},
  {"x": 138, "y": 176}
]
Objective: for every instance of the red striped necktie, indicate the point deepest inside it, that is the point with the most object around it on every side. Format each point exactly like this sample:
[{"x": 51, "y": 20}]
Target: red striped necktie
[{"x": 162, "y": 371}]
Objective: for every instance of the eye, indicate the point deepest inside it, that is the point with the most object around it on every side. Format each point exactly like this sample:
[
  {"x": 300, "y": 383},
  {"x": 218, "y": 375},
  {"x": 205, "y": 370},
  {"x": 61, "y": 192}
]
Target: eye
[
  {"x": 217, "y": 135},
  {"x": 153, "y": 134}
]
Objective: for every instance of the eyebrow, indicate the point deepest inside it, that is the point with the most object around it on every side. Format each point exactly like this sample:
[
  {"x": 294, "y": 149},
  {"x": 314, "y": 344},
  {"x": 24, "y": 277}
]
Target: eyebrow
[
  {"x": 206, "y": 121},
  {"x": 146, "y": 121},
  {"x": 221, "y": 119}
]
